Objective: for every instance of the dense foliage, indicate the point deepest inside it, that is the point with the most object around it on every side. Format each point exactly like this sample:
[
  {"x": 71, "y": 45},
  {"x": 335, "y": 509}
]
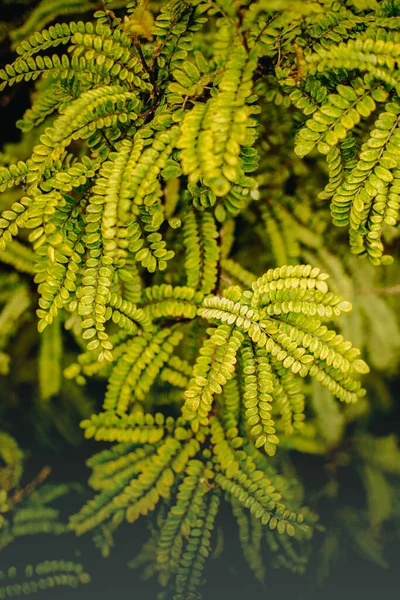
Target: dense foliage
[{"x": 189, "y": 175}]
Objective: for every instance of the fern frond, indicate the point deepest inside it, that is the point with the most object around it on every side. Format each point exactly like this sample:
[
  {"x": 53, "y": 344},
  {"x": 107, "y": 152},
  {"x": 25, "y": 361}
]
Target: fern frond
[
  {"x": 182, "y": 517},
  {"x": 44, "y": 575},
  {"x": 45, "y": 13},
  {"x": 200, "y": 235},
  {"x": 219, "y": 164},
  {"x": 19, "y": 256},
  {"x": 197, "y": 549},
  {"x": 214, "y": 367},
  {"x": 250, "y": 539},
  {"x": 253, "y": 490},
  {"x": 137, "y": 369},
  {"x": 377, "y": 56},
  {"x": 128, "y": 429}
]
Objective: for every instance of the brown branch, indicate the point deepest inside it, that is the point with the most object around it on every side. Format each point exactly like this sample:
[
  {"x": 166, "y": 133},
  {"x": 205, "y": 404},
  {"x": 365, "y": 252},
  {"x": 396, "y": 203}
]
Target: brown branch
[
  {"x": 19, "y": 495},
  {"x": 108, "y": 13}
]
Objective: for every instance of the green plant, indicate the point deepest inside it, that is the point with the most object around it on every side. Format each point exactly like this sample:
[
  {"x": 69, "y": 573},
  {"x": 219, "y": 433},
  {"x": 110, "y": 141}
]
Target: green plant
[
  {"x": 46, "y": 575},
  {"x": 169, "y": 203},
  {"x": 26, "y": 511}
]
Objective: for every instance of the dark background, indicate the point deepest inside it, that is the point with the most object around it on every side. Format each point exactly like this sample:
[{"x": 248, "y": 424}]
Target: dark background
[{"x": 228, "y": 576}]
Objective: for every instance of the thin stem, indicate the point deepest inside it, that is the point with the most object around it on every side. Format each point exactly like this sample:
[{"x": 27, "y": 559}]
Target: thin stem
[
  {"x": 20, "y": 494},
  {"x": 138, "y": 46}
]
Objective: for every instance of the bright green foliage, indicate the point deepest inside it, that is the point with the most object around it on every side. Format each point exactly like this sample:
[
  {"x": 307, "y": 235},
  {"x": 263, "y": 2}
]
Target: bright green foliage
[
  {"x": 169, "y": 200},
  {"x": 212, "y": 133}
]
